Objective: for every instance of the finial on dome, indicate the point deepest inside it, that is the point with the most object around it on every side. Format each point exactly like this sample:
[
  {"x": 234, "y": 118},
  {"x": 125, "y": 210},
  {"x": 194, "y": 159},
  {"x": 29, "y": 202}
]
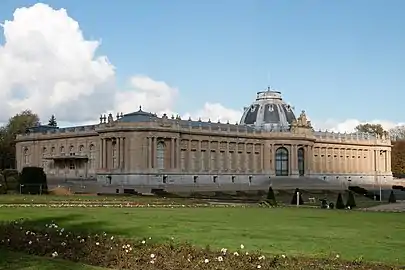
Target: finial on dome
[{"x": 140, "y": 107}]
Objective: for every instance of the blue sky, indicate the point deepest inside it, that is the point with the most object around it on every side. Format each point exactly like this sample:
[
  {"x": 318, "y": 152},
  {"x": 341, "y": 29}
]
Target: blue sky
[{"x": 335, "y": 59}]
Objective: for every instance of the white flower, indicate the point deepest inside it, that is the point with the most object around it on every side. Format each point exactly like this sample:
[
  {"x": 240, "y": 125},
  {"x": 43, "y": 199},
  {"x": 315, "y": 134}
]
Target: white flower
[
  {"x": 220, "y": 259},
  {"x": 236, "y": 253},
  {"x": 283, "y": 256},
  {"x": 259, "y": 266},
  {"x": 242, "y": 246},
  {"x": 143, "y": 242},
  {"x": 54, "y": 254},
  {"x": 112, "y": 238},
  {"x": 152, "y": 261},
  {"x": 262, "y": 257},
  {"x": 337, "y": 256},
  {"x": 97, "y": 243},
  {"x": 152, "y": 255},
  {"x": 206, "y": 261},
  {"x": 223, "y": 250},
  {"x": 30, "y": 242}
]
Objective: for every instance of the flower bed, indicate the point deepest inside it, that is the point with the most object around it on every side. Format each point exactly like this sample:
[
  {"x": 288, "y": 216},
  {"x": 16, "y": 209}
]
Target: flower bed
[
  {"x": 115, "y": 205},
  {"x": 119, "y": 253}
]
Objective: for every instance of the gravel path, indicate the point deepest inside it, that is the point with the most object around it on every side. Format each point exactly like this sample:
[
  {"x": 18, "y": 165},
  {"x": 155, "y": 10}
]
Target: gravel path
[{"x": 393, "y": 207}]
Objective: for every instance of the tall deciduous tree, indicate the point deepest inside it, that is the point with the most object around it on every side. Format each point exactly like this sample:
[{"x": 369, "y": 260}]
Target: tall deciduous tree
[
  {"x": 397, "y": 133},
  {"x": 375, "y": 129},
  {"x": 398, "y": 157},
  {"x": 16, "y": 125}
]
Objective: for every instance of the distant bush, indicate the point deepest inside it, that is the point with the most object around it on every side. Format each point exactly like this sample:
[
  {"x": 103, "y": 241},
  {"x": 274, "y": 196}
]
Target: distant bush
[
  {"x": 392, "y": 198},
  {"x": 402, "y": 188},
  {"x": 9, "y": 173},
  {"x": 3, "y": 186},
  {"x": 33, "y": 181},
  {"x": 339, "y": 203},
  {"x": 271, "y": 198},
  {"x": 358, "y": 190},
  {"x": 351, "y": 203},
  {"x": 12, "y": 183},
  {"x": 294, "y": 198}
]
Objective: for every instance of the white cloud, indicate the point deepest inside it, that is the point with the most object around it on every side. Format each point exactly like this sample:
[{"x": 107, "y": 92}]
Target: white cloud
[
  {"x": 48, "y": 66},
  {"x": 349, "y": 125}
]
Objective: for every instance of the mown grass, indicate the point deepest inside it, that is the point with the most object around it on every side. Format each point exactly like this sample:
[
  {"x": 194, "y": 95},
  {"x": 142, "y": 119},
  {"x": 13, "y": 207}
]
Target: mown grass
[
  {"x": 19, "y": 261},
  {"x": 299, "y": 232}
]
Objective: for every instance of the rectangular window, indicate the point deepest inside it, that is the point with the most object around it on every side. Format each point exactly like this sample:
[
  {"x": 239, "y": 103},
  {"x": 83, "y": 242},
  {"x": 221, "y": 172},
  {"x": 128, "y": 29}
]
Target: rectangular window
[
  {"x": 183, "y": 155},
  {"x": 258, "y": 162},
  {"x": 221, "y": 165},
  {"x": 72, "y": 165},
  {"x": 213, "y": 160},
  {"x": 192, "y": 160}
]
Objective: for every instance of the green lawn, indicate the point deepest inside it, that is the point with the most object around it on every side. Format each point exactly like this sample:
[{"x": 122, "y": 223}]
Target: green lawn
[
  {"x": 290, "y": 231},
  {"x": 18, "y": 261}
]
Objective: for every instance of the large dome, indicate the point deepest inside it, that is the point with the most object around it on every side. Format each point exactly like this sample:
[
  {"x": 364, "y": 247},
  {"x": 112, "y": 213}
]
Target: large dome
[{"x": 268, "y": 112}]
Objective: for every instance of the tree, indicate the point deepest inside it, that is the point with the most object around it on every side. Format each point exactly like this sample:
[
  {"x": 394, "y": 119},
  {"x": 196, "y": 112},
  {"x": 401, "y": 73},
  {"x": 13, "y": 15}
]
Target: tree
[
  {"x": 16, "y": 125},
  {"x": 375, "y": 129},
  {"x": 52, "y": 121},
  {"x": 398, "y": 157},
  {"x": 351, "y": 203},
  {"x": 392, "y": 198},
  {"x": 339, "y": 203},
  {"x": 397, "y": 133},
  {"x": 294, "y": 199},
  {"x": 271, "y": 198}
]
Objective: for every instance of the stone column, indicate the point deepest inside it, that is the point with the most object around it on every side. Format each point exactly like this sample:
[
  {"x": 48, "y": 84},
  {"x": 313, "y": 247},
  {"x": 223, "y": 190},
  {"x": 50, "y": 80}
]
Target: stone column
[
  {"x": 101, "y": 155},
  {"x": 118, "y": 152},
  {"x": 178, "y": 154},
  {"x": 266, "y": 157},
  {"x": 389, "y": 161},
  {"x": 293, "y": 161},
  {"x": 122, "y": 153},
  {"x": 153, "y": 152},
  {"x": 172, "y": 153},
  {"x": 104, "y": 154}
]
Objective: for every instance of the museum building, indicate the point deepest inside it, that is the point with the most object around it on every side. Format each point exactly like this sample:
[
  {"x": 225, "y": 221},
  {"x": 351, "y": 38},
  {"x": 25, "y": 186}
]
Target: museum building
[{"x": 270, "y": 142}]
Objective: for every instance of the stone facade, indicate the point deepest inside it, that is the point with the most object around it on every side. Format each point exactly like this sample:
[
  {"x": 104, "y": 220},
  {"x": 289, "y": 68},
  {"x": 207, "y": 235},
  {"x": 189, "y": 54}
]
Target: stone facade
[{"x": 142, "y": 149}]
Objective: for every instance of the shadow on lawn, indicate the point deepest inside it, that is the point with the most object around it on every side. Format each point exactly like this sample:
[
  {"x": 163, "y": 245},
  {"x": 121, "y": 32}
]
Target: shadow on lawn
[
  {"x": 19, "y": 261},
  {"x": 73, "y": 223}
]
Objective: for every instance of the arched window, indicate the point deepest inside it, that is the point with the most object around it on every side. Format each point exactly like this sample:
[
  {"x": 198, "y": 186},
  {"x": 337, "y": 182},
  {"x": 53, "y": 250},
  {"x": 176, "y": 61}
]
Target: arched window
[
  {"x": 26, "y": 161},
  {"x": 160, "y": 155},
  {"x": 282, "y": 161},
  {"x": 301, "y": 161}
]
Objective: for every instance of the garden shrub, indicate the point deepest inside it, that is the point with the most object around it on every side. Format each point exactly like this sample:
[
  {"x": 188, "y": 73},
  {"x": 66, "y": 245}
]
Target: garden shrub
[
  {"x": 12, "y": 183},
  {"x": 33, "y": 181},
  {"x": 392, "y": 198},
  {"x": 10, "y": 173},
  {"x": 294, "y": 199},
  {"x": 339, "y": 203},
  {"x": 351, "y": 203},
  {"x": 271, "y": 198},
  {"x": 359, "y": 190},
  {"x": 3, "y": 186}
]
